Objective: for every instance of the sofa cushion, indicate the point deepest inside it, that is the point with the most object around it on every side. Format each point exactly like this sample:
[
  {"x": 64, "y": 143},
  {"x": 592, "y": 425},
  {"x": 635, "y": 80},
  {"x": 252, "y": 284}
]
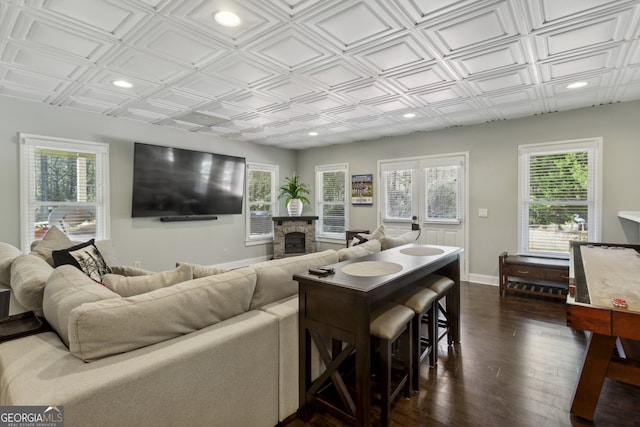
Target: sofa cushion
[
  {"x": 7, "y": 254},
  {"x": 127, "y": 270},
  {"x": 117, "y": 325},
  {"x": 203, "y": 270},
  {"x": 135, "y": 285},
  {"x": 85, "y": 257},
  {"x": 68, "y": 288},
  {"x": 388, "y": 242},
  {"x": 29, "y": 274},
  {"x": 275, "y": 277},
  {"x": 357, "y": 251},
  {"x": 53, "y": 240}
]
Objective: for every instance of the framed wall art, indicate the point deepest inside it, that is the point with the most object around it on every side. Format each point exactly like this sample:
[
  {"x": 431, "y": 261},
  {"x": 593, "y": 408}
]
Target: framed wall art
[{"x": 362, "y": 189}]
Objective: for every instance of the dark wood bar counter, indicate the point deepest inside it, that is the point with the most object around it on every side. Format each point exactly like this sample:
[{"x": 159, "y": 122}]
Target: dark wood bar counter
[{"x": 335, "y": 315}]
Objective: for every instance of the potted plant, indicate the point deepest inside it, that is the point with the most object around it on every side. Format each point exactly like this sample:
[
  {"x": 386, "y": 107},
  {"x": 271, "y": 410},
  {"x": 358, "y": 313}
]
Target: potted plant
[{"x": 294, "y": 191}]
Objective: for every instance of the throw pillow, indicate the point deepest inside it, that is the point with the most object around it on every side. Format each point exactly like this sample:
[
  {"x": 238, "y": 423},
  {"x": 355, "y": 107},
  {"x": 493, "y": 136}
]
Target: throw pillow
[
  {"x": 358, "y": 251},
  {"x": 85, "y": 257},
  {"x": 136, "y": 285},
  {"x": 363, "y": 237},
  {"x": 388, "y": 242},
  {"x": 200, "y": 271},
  {"x": 53, "y": 240}
]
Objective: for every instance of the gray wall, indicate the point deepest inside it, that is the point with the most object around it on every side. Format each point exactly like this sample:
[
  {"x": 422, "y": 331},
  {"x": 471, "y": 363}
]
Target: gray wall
[
  {"x": 155, "y": 244},
  {"x": 493, "y": 171},
  {"x": 493, "y": 168}
]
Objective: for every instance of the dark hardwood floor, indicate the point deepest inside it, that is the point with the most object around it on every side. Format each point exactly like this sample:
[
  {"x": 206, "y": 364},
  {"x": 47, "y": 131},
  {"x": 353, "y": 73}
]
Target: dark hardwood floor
[{"x": 517, "y": 365}]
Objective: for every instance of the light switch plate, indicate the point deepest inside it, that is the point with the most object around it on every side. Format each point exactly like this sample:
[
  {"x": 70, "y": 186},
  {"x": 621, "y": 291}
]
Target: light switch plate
[{"x": 483, "y": 212}]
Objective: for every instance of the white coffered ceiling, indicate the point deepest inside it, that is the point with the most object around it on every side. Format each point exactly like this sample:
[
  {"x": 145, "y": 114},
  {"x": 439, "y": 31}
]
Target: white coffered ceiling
[{"x": 346, "y": 69}]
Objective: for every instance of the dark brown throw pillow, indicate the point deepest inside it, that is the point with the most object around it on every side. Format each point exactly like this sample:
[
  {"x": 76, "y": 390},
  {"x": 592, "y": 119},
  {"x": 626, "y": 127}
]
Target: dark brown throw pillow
[{"x": 85, "y": 257}]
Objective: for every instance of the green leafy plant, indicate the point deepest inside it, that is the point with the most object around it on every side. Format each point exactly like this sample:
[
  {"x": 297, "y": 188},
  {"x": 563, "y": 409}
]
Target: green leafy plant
[{"x": 294, "y": 189}]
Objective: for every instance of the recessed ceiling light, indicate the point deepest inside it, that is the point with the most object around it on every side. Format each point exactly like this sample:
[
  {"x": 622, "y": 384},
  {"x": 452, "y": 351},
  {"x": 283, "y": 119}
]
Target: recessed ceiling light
[
  {"x": 226, "y": 18},
  {"x": 122, "y": 83},
  {"x": 577, "y": 85},
  {"x": 409, "y": 115},
  {"x": 313, "y": 133}
]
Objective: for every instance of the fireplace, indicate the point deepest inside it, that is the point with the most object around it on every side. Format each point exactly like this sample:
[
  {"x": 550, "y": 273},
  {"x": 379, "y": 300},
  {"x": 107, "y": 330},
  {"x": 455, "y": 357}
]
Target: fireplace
[{"x": 293, "y": 235}]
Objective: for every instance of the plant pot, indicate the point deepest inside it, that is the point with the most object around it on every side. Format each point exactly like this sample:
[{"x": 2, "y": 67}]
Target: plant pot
[{"x": 294, "y": 207}]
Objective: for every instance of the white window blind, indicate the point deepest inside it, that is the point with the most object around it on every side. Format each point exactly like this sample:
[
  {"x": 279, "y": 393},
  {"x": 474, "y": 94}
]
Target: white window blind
[
  {"x": 331, "y": 184},
  {"x": 442, "y": 193},
  {"x": 64, "y": 183},
  {"x": 559, "y": 196},
  {"x": 399, "y": 189},
  {"x": 261, "y": 201}
]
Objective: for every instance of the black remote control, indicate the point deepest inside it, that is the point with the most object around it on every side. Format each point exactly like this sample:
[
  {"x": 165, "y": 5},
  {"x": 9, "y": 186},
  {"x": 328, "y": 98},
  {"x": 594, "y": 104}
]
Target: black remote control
[{"x": 320, "y": 272}]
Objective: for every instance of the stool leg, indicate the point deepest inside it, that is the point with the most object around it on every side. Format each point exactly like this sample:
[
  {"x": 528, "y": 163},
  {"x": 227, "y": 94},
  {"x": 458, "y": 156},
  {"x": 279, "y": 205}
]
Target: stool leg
[
  {"x": 433, "y": 333},
  {"x": 385, "y": 379},
  {"x": 416, "y": 337},
  {"x": 408, "y": 355}
]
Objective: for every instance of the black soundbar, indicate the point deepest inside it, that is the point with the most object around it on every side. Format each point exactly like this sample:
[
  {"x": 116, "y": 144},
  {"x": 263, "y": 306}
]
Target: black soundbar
[{"x": 187, "y": 218}]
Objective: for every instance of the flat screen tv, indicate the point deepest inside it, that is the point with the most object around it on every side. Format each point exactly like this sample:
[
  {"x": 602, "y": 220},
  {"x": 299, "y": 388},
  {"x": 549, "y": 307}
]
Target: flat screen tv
[{"x": 174, "y": 182}]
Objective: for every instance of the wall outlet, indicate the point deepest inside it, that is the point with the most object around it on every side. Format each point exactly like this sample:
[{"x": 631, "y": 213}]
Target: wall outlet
[
  {"x": 483, "y": 212},
  {"x": 136, "y": 264},
  {"x": 225, "y": 252}
]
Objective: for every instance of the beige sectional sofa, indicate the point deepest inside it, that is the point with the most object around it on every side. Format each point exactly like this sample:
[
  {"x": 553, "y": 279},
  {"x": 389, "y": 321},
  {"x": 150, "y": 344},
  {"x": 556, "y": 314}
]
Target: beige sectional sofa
[
  {"x": 218, "y": 350},
  {"x": 197, "y": 345}
]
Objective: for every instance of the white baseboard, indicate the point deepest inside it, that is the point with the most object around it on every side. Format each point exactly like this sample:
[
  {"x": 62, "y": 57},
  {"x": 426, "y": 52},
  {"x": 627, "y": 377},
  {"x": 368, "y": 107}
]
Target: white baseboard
[{"x": 483, "y": 279}]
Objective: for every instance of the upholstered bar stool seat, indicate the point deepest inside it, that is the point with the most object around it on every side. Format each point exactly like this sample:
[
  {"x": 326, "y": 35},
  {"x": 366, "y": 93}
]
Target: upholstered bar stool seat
[
  {"x": 423, "y": 302},
  {"x": 387, "y": 325}
]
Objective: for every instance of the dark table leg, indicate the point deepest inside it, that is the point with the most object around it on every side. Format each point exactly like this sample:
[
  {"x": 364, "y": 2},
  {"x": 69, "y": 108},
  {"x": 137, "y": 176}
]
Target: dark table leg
[{"x": 592, "y": 375}]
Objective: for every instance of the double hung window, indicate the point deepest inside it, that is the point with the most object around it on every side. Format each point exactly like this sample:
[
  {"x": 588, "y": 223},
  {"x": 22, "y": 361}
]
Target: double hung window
[
  {"x": 261, "y": 201},
  {"x": 64, "y": 183},
  {"x": 560, "y": 187},
  {"x": 331, "y": 201}
]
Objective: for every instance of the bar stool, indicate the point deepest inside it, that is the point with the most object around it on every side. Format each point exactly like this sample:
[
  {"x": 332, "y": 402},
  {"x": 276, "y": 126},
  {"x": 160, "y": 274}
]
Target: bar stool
[
  {"x": 442, "y": 286},
  {"x": 388, "y": 324},
  {"x": 423, "y": 302}
]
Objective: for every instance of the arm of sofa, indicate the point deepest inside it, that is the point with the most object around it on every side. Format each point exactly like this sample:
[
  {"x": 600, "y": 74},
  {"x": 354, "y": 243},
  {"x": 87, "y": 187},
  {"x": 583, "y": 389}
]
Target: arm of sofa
[{"x": 208, "y": 377}]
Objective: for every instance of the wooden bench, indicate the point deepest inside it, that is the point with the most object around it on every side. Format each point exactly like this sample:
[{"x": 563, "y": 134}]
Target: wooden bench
[{"x": 543, "y": 276}]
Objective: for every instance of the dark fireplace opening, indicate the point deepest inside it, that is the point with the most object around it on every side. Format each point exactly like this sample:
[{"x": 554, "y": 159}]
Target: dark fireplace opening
[{"x": 294, "y": 243}]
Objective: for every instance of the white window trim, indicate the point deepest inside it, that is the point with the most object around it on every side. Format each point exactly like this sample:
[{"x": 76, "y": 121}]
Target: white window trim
[
  {"x": 28, "y": 143},
  {"x": 275, "y": 170},
  {"x": 595, "y": 185},
  {"x": 332, "y": 237}
]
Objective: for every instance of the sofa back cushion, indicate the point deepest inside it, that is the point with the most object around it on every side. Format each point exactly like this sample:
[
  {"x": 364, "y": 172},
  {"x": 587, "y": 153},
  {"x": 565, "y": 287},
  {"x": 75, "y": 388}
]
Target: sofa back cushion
[
  {"x": 66, "y": 289},
  {"x": 202, "y": 270},
  {"x": 275, "y": 277},
  {"x": 7, "y": 254},
  {"x": 363, "y": 249},
  {"x": 29, "y": 274},
  {"x": 118, "y": 325},
  {"x": 135, "y": 285}
]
